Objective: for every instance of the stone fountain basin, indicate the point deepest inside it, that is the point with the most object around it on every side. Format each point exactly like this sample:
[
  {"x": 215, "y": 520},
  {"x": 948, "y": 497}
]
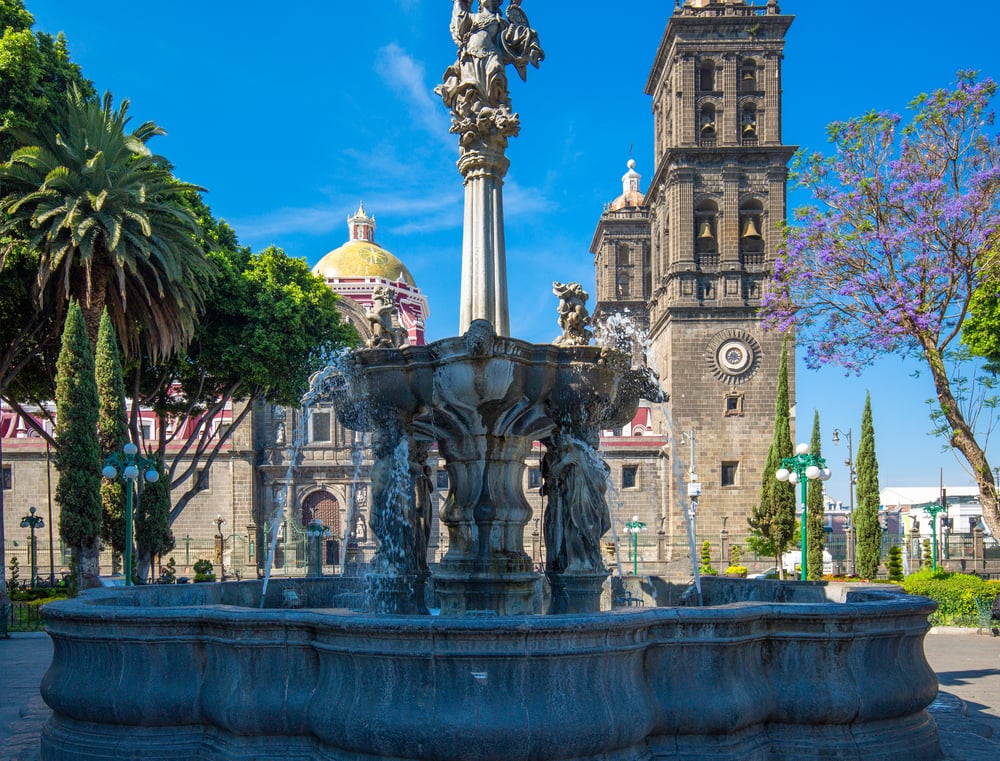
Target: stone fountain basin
[{"x": 779, "y": 670}]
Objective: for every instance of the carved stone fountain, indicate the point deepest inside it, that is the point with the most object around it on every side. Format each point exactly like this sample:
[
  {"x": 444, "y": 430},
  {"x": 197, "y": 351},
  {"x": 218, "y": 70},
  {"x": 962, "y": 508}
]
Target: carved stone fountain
[{"x": 768, "y": 671}]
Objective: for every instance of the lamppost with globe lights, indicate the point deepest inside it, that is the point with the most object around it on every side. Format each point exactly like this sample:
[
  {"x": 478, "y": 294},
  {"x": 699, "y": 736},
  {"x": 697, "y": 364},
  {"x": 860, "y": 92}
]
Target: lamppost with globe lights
[
  {"x": 933, "y": 510},
  {"x": 633, "y": 527},
  {"x": 127, "y": 464},
  {"x": 802, "y": 468},
  {"x": 852, "y": 476},
  {"x": 32, "y": 521},
  {"x": 316, "y": 533}
]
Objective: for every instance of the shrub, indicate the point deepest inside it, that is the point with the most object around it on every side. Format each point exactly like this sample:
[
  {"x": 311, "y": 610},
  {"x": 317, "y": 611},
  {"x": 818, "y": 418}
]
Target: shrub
[
  {"x": 203, "y": 570},
  {"x": 736, "y": 555},
  {"x": 895, "y": 563},
  {"x": 955, "y": 594},
  {"x": 737, "y": 570}
]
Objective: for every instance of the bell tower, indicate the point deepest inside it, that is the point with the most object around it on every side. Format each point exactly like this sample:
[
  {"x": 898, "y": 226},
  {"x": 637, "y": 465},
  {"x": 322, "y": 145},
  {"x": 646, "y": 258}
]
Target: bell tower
[{"x": 716, "y": 205}]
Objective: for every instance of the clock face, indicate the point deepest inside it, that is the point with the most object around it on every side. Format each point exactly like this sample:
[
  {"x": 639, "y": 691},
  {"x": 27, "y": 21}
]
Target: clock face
[{"x": 733, "y": 356}]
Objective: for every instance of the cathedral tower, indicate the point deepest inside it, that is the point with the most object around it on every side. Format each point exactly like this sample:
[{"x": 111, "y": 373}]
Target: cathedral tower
[{"x": 716, "y": 204}]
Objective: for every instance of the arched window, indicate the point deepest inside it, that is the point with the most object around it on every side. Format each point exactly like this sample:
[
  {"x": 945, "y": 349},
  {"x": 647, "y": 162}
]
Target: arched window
[
  {"x": 706, "y": 230},
  {"x": 624, "y": 254},
  {"x": 752, "y": 232},
  {"x": 748, "y": 122},
  {"x": 748, "y": 74},
  {"x": 706, "y": 122},
  {"x": 623, "y": 286},
  {"x": 707, "y": 78}
]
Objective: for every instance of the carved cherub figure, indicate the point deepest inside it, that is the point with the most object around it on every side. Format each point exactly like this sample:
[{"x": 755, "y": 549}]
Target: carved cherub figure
[
  {"x": 381, "y": 317},
  {"x": 574, "y": 318}
]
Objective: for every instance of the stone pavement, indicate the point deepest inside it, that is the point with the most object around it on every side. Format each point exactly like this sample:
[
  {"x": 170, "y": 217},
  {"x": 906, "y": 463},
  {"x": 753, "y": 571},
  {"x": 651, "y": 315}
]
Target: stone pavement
[{"x": 967, "y": 710}]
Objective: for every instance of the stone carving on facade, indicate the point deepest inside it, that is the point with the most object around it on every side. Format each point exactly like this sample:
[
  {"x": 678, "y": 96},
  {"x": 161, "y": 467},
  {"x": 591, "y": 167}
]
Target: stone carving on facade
[
  {"x": 474, "y": 88},
  {"x": 278, "y": 416},
  {"x": 574, "y": 319},
  {"x": 383, "y": 317}
]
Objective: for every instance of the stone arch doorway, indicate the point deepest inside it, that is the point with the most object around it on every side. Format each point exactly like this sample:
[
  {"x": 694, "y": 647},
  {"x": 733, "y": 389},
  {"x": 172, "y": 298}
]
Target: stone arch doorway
[{"x": 324, "y": 506}]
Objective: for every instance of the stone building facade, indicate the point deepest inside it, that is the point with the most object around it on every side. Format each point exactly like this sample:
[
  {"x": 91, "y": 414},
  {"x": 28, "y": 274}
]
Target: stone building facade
[{"x": 710, "y": 222}]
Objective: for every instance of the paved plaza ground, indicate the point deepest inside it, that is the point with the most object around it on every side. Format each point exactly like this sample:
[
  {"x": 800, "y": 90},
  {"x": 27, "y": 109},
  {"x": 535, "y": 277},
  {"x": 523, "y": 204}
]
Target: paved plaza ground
[{"x": 967, "y": 709}]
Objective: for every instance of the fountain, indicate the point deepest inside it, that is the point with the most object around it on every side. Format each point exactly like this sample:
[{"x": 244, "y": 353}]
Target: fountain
[{"x": 217, "y": 672}]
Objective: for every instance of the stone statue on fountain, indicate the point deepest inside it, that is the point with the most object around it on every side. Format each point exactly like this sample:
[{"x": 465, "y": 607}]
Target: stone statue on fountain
[
  {"x": 383, "y": 317},
  {"x": 475, "y": 86},
  {"x": 574, "y": 318},
  {"x": 474, "y": 89}
]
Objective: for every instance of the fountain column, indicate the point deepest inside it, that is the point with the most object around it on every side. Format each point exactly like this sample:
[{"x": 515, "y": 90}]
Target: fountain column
[
  {"x": 484, "y": 253},
  {"x": 474, "y": 88}
]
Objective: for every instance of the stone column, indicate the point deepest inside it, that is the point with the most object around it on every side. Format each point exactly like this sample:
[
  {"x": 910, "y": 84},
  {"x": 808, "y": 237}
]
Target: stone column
[
  {"x": 978, "y": 550},
  {"x": 484, "y": 252}
]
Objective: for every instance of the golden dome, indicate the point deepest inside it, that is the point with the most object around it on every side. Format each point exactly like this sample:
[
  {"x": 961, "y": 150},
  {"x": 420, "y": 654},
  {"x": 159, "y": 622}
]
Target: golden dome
[{"x": 362, "y": 258}]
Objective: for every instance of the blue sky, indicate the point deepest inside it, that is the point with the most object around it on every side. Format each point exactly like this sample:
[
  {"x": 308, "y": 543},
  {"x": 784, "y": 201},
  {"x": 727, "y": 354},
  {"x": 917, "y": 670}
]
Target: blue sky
[{"x": 290, "y": 113}]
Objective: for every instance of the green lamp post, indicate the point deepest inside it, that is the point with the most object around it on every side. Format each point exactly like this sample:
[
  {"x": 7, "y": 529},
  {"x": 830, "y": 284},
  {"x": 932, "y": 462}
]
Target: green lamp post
[
  {"x": 933, "y": 510},
  {"x": 802, "y": 468},
  {"x": 32, "y": 521},
  {"x": 126, "y": 464},
  {"x": 633, "y": 527}
]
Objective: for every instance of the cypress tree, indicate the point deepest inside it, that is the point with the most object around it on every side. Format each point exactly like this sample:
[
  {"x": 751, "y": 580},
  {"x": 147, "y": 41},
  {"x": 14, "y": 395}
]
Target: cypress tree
[
  {"x": 814, "y": 511},
  {"x": 153, "y": 536},
  {"x": 774, "y": 516},
  {"x": 112, "y": 429},
  {"x": 78, "y": 453},
  {"x": 866, "y": 514}
]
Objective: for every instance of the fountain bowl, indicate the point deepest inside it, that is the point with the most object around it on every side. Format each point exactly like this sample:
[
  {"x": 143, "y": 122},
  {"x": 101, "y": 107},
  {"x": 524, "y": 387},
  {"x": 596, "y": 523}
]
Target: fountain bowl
[{"x": 765, "y": 671}]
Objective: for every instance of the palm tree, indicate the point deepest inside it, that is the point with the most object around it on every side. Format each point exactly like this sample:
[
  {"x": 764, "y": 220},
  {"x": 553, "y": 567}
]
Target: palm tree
[{"x": 110, "y": 223}]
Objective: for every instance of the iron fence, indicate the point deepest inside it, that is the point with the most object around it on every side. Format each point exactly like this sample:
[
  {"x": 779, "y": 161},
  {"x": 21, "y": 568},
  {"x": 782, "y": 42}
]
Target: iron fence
[{"x": 24, "y": 617}]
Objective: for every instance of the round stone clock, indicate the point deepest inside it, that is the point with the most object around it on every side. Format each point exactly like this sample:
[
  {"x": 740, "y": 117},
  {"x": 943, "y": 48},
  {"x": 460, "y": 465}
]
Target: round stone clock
[{"x": 733, "y": 355}]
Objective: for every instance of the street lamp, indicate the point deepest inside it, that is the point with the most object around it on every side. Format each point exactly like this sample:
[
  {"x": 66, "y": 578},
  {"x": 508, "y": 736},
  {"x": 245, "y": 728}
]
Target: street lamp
[
  {"x": 633, "y": 527},
  {"x": 802, "y": 468},
  {"x": 221, "y": 538},
  {"x": 127, "y": 464},
  {"x": 32, "y": 521},
  {"x": 852, "y": 477},
  {"x": 316, "y": 532},
  {"x": 933, "y": 510}
]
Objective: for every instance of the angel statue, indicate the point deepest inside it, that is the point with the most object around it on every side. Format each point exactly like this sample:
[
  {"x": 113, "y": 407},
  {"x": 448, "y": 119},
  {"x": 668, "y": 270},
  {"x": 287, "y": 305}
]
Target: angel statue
[{"x": 475, "y": 86}]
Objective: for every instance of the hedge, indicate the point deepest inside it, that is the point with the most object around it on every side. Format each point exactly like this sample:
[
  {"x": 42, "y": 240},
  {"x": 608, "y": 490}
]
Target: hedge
[{"x": 955, "y": 594}]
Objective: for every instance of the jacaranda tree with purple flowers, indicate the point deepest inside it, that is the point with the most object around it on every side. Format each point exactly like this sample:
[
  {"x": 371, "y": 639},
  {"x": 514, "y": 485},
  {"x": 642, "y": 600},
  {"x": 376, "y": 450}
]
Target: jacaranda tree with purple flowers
[{"x": 899, "y": 238}]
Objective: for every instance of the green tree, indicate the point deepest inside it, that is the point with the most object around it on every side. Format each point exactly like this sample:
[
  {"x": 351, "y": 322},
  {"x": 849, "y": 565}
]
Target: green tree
[
  {"x": 108, "y": 219},
  {"x": 78, "y": 456},
  {"x": 900, "y": 236},
  {"x": 895, "y": 563},
  {"x": 268, "y": 326},
  {"x": 773, "y": 518},
  {"x": 866, "y": 514},
  {"x": 112, "y": 430},
  {"x": 814, "y": 512},
  {"x": 153, "y": 536},
  {"x": 35, "y": 73}
]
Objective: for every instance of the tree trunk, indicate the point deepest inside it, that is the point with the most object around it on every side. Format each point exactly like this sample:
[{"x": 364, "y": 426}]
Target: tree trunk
[
  {"x": 963, "y": 439},
  {"x": 88, "y": 566}
]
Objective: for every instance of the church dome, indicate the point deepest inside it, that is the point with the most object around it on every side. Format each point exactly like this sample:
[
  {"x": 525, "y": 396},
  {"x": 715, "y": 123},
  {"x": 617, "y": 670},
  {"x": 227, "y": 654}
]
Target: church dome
[
  {"x": 361, "y": 256},
  {"x": 631, "y": 197}
]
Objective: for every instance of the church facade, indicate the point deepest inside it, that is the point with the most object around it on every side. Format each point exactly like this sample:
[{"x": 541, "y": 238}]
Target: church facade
[{"x": 688, "y": 259}]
